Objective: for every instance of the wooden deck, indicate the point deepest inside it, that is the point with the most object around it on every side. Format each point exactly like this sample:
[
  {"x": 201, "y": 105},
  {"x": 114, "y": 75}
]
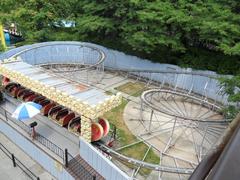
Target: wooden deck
[{"x": 80, "y": 170}]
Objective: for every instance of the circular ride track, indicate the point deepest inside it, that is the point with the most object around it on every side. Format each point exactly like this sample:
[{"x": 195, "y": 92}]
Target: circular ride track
[
  {"x": 63, "y": 57},
  {"x": 181, "y": 126}
]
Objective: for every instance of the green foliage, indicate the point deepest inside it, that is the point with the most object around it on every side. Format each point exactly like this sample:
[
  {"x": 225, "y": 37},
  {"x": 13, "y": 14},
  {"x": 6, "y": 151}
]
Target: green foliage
[
  {"x": 232, "y": 88},
  {"x": 1, "y": 47},
  {"x": 210, "y": 60},
  {"x": 36, "y": 19},
  {"x": 199, "y": 34}
]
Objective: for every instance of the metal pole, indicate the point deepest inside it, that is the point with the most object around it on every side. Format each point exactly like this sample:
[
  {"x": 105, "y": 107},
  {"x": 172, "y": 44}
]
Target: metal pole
[
  {"x": 114, "y": 132},
  {"x": 13, "y": 160},
  {"x": 149, "y": 128},
  {"x": 5, "y": 113},
  {"x": 66, "y": 157}
]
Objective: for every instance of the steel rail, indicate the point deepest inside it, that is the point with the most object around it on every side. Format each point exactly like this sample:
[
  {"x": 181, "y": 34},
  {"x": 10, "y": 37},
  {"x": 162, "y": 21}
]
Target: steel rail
[
  {"x": 101, "y": 53},
  {"x": 145, "y": 164},
  {"x": 151, "y": 91}
]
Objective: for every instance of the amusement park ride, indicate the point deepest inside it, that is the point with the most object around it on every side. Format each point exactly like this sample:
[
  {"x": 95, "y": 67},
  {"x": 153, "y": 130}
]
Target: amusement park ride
[
  {"x": 178, "y": 115},
  {"x": 79, "y": 109}
]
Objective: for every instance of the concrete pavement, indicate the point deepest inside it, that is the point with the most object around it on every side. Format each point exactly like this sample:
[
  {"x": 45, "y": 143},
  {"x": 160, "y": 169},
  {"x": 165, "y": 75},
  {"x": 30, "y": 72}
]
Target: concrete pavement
[{"x": 8, "y": 172}]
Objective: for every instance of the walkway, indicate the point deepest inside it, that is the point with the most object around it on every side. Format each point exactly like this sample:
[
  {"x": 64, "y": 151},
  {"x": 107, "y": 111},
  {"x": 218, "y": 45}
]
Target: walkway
[
  {"x": 78, "y": 172},
  {"x": 47, "y": 128},
  {"x": 59, "y": 136},
  {"x": 8, "y": 172}
]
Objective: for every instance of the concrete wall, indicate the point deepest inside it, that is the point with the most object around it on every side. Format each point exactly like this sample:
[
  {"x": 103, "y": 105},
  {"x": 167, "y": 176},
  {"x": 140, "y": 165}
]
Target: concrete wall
[
  {"x": 51, "y": 165},
  {"x": 100, "y": 163}
]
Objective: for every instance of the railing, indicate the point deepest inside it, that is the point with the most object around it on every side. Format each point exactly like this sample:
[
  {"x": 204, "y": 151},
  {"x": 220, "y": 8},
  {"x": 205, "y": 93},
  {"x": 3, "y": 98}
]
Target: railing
[
  {"x": 17, "y": 162},
  {"x": 69, "y": 161},
  {"x": 50, "y": 145},
  {"x": 39, "y": 138}
]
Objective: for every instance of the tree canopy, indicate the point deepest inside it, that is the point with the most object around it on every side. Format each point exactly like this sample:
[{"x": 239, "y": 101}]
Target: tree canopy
[
  {"x": 232, "y": 88},
  {"x": 204, "y": 34}
]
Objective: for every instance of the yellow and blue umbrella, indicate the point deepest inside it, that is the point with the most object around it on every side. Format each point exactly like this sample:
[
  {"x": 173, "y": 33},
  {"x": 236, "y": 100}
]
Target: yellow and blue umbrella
[{"x": 26, "y": 111}]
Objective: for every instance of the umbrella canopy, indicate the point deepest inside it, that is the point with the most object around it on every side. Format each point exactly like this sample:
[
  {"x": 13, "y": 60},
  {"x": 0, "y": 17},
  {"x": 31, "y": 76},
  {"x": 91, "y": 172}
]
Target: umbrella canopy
[{"x": 26, "y": 110}]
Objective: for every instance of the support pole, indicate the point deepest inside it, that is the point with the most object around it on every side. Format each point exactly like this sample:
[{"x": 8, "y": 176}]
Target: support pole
[
  {"x": 13, "y": 160},
  {"x": 2, "y": 37},
  {"x": 5, "y": 113},
  {"x": 66, "y": 157},
  {"x": 150, "y": 124},
  {"x": 204, "y": 168}
]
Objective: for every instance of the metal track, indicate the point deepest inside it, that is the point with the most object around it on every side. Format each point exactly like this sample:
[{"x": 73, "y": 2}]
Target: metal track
[{"x": 145, "y": 164}]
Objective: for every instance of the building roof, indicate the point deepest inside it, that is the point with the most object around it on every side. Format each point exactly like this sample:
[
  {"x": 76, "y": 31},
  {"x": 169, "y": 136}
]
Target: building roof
[{"x": 79, "y": 97}]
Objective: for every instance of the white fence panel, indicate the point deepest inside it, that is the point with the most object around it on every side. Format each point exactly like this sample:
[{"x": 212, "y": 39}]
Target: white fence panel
[{"x": 100, "y": 163}]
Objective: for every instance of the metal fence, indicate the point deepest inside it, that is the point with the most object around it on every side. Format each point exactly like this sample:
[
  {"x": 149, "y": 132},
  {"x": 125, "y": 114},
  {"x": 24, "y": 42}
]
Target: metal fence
[
  {"x": 70, "y": 162},
  {"x": 39, "y": 138},
  {"x": 18, "y": 163},
  {"x": 50, "y": 145},
  {"x": 98, "y": 161}
]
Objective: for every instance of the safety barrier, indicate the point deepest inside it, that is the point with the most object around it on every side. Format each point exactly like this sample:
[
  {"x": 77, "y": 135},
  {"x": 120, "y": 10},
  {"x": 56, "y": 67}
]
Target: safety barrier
[
  {"x": 39, "y": 138},
  {"x": 72, "y": 164},
  {"x": 18, "y": 163}
]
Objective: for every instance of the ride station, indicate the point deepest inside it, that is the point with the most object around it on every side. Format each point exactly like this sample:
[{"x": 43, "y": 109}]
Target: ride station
[{"x": 78, "y": 107}]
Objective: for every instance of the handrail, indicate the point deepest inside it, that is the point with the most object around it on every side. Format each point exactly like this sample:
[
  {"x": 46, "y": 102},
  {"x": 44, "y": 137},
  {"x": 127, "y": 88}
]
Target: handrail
[
  {"x": 26, "y": 170},
  {"x": 39, "y": 138}
]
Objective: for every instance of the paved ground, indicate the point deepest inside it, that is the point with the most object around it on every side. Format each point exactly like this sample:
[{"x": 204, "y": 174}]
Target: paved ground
[
  {"x": 180, "y": 140},
  {"x": 183, "y": 148},
  {"x": 49, "y": 129},
  {"x": 8, "y": 172}
]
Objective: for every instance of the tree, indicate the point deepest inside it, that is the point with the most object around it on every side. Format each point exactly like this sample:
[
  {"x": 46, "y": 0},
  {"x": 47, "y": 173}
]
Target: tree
[
  {"x": 36, "y": 19},
  {"x": 191, "y": 33},
  {"x": 232, "y": 89}
]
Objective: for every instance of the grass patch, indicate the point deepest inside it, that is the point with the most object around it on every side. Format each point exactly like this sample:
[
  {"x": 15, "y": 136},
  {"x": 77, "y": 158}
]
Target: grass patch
[
  {"x": 115, "y": 117},
  {"x": 137, "y": 152},
  {"x": 141, "y": 147},
  {"x": 131, "y": 151},
  {"x": 133, "y": 89}
]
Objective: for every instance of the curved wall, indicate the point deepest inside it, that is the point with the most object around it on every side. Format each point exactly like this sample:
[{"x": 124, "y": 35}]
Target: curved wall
[{"x": 74, "y": 52}]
